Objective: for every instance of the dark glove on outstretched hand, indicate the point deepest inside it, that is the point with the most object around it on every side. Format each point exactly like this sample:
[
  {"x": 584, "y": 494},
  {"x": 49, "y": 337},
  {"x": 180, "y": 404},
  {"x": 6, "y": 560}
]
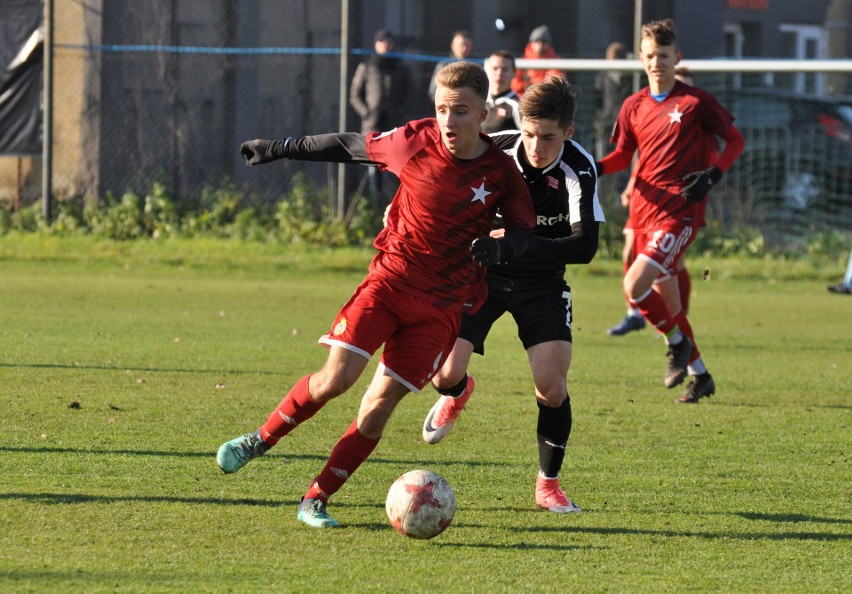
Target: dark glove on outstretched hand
[
  {"x": 698, "y": 183},
  {"x": 259, "y": 151},
  {"x": 486, "y": 251}
]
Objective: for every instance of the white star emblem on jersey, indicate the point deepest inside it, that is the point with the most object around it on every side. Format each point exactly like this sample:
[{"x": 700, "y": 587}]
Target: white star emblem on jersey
[
  {"x": 479, "y": 193},
  {"x": 674, "y": 116}
]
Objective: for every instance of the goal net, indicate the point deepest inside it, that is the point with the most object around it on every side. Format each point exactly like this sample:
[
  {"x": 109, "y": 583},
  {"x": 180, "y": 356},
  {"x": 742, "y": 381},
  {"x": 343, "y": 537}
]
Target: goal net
[{"x": 794, "y": 176}]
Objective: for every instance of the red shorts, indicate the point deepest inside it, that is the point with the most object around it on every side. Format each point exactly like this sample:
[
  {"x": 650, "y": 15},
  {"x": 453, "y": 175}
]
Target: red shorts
[
  {"x": 664, "y": 245},
  {"x": 417, "y": 336}
]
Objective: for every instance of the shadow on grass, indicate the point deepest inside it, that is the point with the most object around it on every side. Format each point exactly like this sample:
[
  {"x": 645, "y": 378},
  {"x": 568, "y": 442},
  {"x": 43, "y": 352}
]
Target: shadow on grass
[
  {"x": 141, "y": 369},
  {"x": 755, "y": 404},
  {"x": 284, "y": 458},
  {"x": 86, "y": 580},
  {"x": 155, "y": 453},
  {"x": 794, "y": 518},
  {"x": 518, "y": 546},
  {"x": 522, "y": 546},
  {"x": 438, "y": 541},
  {"x": 824, "y": 536},
  {"x": 82, "y": 498},
  {"x": 75, "y": 498}
]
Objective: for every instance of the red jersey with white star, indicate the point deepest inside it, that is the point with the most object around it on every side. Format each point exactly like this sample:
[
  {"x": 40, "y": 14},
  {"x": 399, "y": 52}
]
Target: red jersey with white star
[
  {"x": 674, "y": 137},
  {"x": 442, "y": 205}
]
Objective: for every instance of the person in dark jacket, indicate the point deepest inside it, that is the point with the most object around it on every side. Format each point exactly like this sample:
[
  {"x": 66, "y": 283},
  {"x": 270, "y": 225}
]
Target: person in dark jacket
[
  {"x": 380, "y": 90},
  {"x": 381, "y": 86}
]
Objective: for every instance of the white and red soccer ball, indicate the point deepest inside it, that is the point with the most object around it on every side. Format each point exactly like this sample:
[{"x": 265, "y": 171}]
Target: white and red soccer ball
[{"x": 420, "y": 504}]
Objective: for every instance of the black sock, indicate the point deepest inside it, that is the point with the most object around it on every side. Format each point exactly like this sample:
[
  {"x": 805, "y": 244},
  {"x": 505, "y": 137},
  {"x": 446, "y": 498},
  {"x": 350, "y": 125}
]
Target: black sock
[
  {"x": 264, "y": 446},
  {"x": 554, "y": 427},
  {"x": 455, "y": 391}
]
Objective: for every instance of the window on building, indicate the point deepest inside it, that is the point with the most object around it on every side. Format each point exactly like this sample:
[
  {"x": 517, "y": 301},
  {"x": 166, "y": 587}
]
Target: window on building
[
  {"x": 744, "y": 40},
  {"x": 804, "y": 42},
  {"x": 734, "y": 41}
]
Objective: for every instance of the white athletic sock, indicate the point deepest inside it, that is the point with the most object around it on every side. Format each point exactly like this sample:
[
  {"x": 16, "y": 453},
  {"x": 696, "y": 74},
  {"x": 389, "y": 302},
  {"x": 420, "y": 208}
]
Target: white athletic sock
[
  {"x": 697, "y": 367},
  {"x": 674, "y": 339}
]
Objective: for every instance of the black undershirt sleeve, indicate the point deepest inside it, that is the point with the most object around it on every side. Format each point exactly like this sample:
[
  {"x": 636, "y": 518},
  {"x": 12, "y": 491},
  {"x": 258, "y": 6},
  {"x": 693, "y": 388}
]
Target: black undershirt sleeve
[
  {"x": 578, "y": 248},
  {"x": 517, "y": 240},
  {"x": 345, "y": 147}
]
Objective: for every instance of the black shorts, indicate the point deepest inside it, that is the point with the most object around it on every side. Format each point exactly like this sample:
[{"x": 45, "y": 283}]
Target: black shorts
[{"x": 540, "y": 316}]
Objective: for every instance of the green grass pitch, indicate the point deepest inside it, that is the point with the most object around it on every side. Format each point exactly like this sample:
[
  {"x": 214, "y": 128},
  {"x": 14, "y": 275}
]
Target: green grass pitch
[{"x": 124, "y": 366}]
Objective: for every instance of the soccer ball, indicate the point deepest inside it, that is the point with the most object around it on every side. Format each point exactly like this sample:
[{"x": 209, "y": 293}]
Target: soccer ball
[{"x": 420, "y": 504}]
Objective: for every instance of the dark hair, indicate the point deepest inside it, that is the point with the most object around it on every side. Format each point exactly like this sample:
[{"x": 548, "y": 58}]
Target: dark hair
[
  {"x": 384, "y": 35},
  {"x": 456, "y": 75},
  {"x": 662, "y": 32},
  {"x": 503, "y": 55},
  {"x": 553, "y": 99},
  {"x": 616, "y": 51},
  {"x": 462, "y": 33}
]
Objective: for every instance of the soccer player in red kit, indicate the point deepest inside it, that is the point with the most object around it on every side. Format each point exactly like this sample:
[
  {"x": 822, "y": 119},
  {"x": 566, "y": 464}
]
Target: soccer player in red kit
[
  {"x": 634, "y": 320},
  {"x": 427, "y": 272},
  {"x": 673, "y": 127}
]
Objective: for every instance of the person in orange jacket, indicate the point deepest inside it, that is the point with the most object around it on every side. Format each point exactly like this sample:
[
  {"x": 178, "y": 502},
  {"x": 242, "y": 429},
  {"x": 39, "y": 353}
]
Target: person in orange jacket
[{"x": 540, "y": 46}]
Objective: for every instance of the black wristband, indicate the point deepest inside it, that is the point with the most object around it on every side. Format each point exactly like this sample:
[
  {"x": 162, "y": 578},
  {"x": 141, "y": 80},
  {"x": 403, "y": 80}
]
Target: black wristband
[{"x": 715, "y": 174}]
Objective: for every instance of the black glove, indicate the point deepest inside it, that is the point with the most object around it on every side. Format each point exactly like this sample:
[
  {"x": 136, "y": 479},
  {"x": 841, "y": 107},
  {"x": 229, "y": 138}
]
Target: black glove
[
  {"x": 259, "y": 151},
  {"x": 598, "y": 168},
  {"x": 698, "y": 183},
  {"x": 486, "y": 251}
]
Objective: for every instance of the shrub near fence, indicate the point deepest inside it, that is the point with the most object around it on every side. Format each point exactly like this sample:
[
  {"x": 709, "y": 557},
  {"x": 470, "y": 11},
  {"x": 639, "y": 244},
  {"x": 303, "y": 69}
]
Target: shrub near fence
[{"x": 298, "y": 217}]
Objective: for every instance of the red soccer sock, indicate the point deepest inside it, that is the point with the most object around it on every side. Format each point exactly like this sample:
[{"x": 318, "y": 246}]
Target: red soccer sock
[
  {"x": 297, "y": 407},
  {"x": 654, "y": 309},
  {"x": 626, "y": 268},
  {"x": 686, "y": 329},
  {"x": 684, "y": 287},
  {"x": 348, "y": 454}
]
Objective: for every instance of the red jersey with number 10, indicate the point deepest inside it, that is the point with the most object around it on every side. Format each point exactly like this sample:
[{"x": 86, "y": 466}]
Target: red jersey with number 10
[
  {"x": 674, "y": 137},
  {"x": 442, "y": 205}
]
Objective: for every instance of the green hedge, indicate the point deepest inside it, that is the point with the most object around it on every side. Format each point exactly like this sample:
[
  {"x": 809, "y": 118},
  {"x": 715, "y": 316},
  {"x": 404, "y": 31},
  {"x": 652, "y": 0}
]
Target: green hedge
[{"x": 302, "y": 216}]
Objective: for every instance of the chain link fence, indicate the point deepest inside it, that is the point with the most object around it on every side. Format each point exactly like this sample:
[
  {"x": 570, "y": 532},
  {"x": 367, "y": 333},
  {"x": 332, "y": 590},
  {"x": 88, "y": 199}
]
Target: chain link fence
[{"x": 164, "y": 91}]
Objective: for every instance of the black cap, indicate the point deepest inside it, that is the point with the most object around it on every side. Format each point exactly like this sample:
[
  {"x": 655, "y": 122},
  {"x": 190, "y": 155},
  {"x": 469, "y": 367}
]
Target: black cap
[{"x": 384, "y": 35}]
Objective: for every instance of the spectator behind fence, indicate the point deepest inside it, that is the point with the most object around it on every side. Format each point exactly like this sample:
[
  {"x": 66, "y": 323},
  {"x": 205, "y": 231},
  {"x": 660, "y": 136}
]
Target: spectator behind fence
[
  {"x": 502, "y": 101},
  {"x": 612, "y": 87},
  {"x": 381, "y": 88},
  {"x": 461, "y": 48},
  {"x": 540, "y": 47}
]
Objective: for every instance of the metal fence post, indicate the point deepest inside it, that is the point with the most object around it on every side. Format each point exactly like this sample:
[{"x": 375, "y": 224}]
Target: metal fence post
[
  {"x": 344, "y": 69},
  {"x": 47, "y": 116}
]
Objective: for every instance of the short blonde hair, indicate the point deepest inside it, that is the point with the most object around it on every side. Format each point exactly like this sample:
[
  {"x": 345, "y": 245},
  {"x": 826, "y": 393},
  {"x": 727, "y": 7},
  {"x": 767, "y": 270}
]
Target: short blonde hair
[{"x": 457, "y": 75}]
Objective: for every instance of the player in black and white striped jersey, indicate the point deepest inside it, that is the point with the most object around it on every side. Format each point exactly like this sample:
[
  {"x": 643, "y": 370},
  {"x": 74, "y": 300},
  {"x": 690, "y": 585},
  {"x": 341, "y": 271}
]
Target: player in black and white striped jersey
[
  {"x": 502, "y": 102},
  {"x": 561, "y": 177}
]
